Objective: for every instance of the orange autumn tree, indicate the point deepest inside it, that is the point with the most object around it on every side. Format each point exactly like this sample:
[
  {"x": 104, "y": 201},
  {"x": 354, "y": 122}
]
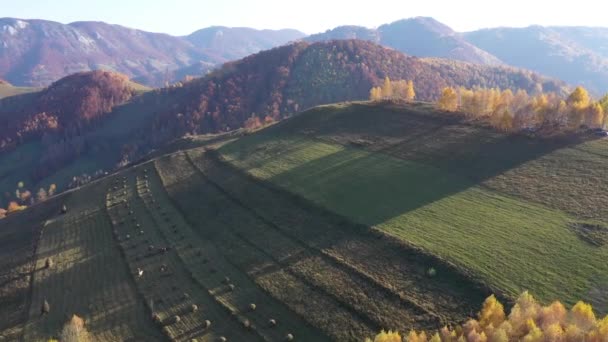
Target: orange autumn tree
[
  {"x": 528, "y": 321},
  {"x": 14, "y": 207}
]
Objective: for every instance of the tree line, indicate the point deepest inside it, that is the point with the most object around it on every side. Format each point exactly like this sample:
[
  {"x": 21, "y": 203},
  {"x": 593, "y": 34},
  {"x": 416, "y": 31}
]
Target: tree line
[
  {"x": 393, "y": 90},
  {"x": 528, "y": 321},
  {"x": 508, "y": 111}
]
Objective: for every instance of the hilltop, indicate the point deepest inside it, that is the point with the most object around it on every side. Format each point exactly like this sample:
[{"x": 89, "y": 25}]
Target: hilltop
[
  {"x": 420, "y": 36},
  {"x": 379, "y": 216}
]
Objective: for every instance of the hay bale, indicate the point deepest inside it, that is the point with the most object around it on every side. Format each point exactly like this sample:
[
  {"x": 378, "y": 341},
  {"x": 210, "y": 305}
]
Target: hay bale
[
  {"x": 64, "y": 209},
  {"x": 207, "y": 324},
  {"x": 141, "y": 232},
  {"x": 231, "y": 287},
  {"x": 176, "y": 319},
  {"x": 252, "y": 307},
  {"x": 48, "y": 263},
  {"x": 272, "y": 322},
  {"x": 222, "y": 339},
  {"x": 156, "y": 318},
  {"x": 226, "y": 280},
  {"x": 289, "y": 337},
  {"x": 246, "y": 324},
  {"x": 194, "y": 308},
  {"x": 45, "y": 308}
]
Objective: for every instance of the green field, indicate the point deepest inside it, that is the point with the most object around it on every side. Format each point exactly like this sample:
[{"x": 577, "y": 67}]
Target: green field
[{"x": 499, "y": 207}]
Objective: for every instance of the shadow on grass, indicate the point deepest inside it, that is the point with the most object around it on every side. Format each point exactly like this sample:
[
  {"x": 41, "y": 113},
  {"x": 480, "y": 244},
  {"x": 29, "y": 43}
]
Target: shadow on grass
[{"x": 434, "y": 158}]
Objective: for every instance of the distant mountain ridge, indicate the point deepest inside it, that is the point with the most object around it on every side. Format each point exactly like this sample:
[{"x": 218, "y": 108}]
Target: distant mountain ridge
[
  {"x": 420, "y": 36},
  {"x": 238, "y": 42},
  {"x": 577, "y": 55},
  {"x": 39, "y": 52}
]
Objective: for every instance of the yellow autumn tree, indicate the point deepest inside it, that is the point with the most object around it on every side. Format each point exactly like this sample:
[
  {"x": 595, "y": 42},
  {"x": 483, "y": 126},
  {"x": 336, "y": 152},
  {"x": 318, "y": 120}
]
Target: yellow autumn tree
[
  {"x": 448, "y": 100},
  {"x": 410, "y": 93},
  {"x": 583, "y": 316},
  {"x": 578, "y": 102},
  {"x": 595, "y": 115},
  {"x": 492, "y": 312},
  {"x": 386, "y": 336},
  {"x": 375, "y": 94},
  {"x": 579, "y": 98},
  {"x": 387, "y": 88},
  {"x": 506, "y": 121}
]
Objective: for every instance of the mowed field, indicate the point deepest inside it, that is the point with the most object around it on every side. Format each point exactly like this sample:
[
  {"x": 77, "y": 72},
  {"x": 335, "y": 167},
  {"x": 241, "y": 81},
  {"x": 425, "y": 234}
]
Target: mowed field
[
  {"x": 316, "y": 268},
  {"x": 513, "y": 212},
  {"x": 88, "y": 278},
  {"x": 329, "y": 226}
]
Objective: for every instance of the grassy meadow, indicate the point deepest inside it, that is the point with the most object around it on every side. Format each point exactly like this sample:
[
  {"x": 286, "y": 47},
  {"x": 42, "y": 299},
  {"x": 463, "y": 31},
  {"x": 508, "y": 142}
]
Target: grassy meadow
[{"x": 476, "y": 208}]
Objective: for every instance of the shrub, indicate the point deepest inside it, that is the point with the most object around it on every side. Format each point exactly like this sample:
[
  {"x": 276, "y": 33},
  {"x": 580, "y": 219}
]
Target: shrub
[{"x": 74, "y": 331}]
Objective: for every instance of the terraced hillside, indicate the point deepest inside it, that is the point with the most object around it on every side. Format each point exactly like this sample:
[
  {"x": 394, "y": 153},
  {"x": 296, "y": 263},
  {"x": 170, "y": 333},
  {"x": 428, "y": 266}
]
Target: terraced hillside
[
  {"x": 512, "y": 212},
  {"x": 335, "y": 275}
]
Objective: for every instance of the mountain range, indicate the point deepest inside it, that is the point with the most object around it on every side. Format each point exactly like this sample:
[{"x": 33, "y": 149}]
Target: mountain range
[{"x": 38, "y": 52}]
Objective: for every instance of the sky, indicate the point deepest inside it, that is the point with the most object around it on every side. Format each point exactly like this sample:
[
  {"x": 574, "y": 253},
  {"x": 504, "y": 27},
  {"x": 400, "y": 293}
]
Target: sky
[{"x": 181, "y": 17}]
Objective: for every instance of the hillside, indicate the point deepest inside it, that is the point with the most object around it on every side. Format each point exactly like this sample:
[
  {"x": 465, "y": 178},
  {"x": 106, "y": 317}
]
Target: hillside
[
  {"x": 575, "y": 55},
  {"x": 288, "y": 79},
  {"x": 420, "y": 36},
  {"x": 443, "y": 212},
  {"x": 46, "y": 130},
  {"x": 515, "y": 213},
  {"x": 39, "y": 52}
]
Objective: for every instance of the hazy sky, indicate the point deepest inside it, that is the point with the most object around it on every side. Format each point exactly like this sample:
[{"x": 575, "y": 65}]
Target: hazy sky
[{"x": 180, "y": 17}]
